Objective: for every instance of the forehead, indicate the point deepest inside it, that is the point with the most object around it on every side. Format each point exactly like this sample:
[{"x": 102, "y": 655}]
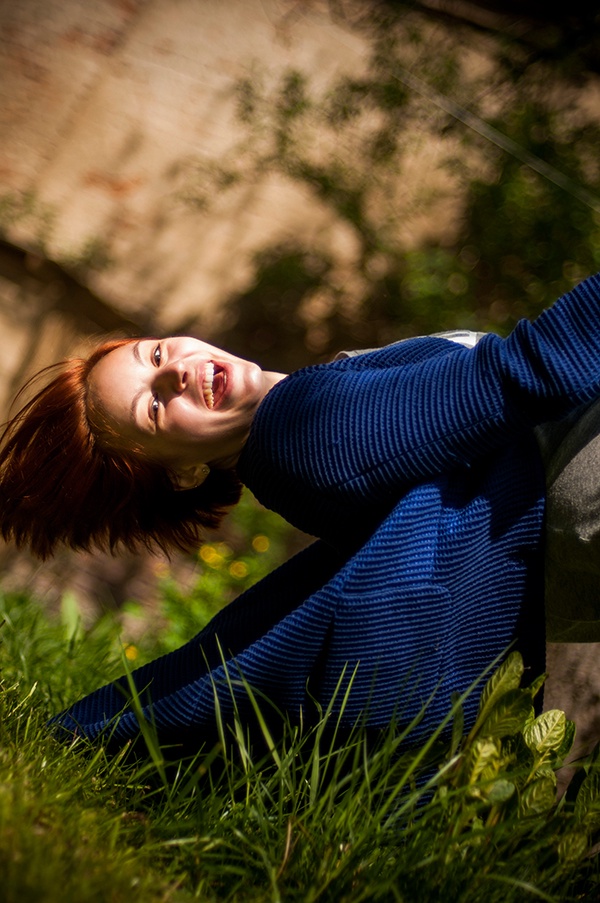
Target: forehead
[
  {"x": 113, "y": 383},
  {"x": 115, "y": 366}
]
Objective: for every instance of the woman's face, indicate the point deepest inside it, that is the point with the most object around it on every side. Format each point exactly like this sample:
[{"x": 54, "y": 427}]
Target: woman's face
[{"x": 181, "y": 401}]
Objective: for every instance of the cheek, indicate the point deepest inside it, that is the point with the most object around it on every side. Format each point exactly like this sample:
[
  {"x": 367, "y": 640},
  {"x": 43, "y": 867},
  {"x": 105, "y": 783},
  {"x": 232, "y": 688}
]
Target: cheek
[{"x": 183, "y": 426}]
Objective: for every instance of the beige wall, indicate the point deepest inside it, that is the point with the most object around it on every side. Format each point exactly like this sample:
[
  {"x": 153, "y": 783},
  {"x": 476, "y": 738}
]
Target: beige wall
[
  {"x": 104, "y": 102},
  {"x": 104, "y": 108}
]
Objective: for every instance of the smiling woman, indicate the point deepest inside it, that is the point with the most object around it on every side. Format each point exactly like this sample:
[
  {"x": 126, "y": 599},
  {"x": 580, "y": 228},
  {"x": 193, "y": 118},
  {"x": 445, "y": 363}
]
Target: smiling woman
[
  {"x": 416, "y": 466},
  {"x": 75, "y": 469},
  {"x": 178, "y": 402}
]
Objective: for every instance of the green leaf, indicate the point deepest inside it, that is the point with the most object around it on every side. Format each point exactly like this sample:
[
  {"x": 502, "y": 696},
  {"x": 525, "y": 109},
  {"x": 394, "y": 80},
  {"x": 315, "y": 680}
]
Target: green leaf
[
  {"x": 507, "y": 677},
  {"x": 547, "y": 732},
  {"x": 484, "y": 760},
  {"x": 593, "y": 759},
  {"x": 539, "y": 796},
  {"x": 536, "y": 685},
  {"x": 572, "y": 847},
  {"x": 458, "y": 723},
  {"x": 587, "y": 804},
  {"x": 500, "y": 791},
  {"x": 508, "y": 716},
  {"x": 566, "y": 746},
  {"x": 70, "y": 615}
]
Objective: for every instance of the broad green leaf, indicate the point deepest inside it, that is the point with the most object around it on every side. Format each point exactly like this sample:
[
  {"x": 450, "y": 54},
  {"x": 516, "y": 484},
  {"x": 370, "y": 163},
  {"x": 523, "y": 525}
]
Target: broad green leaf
[
  {"x": 484, "y": 760},
  {"x": 587, "y": 804},
  {"x": 547, "y": 732},
  {"x": 499, "y": 792},
  {"x": 507, "y": 677},
  {"x": 508, "y": 716},
  {"x": 566, "y": 746},
  {"x": 539, "y": 796},
  {"x": 572, "y": 847},
  {"x": 593, "y": 759},
  {"x": 536, "y": 685}
]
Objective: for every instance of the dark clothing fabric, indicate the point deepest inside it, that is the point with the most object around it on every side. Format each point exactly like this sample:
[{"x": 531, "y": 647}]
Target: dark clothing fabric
[
  {"x": 416, "y": 468},
  {"x": 571, "y": 457}
]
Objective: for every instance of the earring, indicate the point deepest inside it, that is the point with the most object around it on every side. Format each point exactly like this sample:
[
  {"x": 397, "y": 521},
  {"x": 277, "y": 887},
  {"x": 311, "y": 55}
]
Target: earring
[
  {"x": 203, "y": 473},
  {"x": 190, "y": 477}
]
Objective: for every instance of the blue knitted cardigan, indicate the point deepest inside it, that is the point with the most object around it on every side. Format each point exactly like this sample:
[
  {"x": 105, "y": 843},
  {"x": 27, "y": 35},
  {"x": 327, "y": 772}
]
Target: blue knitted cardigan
[{"x": 416, "y": 467}]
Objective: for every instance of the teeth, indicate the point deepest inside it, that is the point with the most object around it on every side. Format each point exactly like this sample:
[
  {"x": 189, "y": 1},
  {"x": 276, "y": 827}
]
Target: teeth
[{"x": 207, "y": 384}]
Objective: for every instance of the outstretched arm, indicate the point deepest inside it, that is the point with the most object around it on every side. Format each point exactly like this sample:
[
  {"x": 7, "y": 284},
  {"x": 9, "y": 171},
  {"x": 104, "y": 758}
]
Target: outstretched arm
[{"x": 365, "y": 429}]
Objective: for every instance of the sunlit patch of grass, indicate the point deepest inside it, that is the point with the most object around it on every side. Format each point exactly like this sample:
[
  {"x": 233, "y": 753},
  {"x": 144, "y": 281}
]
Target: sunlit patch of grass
[{"x": 309, "y": 812}]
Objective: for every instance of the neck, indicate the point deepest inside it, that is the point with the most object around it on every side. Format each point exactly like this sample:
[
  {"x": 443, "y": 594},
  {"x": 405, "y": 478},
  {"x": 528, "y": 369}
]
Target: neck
[{"x": 270, "y": 378}]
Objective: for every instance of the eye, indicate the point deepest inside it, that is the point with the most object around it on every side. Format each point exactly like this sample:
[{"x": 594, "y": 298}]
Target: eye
[
  {"x": 154, "y": 406},
  {"x": 157, "y": 356}
]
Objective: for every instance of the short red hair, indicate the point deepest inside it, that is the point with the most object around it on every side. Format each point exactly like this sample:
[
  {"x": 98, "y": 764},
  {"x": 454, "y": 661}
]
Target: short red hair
[{"x": 60, "y": 483}]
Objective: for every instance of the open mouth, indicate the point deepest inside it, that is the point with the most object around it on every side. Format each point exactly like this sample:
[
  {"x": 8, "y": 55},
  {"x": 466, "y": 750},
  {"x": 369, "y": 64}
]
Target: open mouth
[{"x": 213, "y": 384}]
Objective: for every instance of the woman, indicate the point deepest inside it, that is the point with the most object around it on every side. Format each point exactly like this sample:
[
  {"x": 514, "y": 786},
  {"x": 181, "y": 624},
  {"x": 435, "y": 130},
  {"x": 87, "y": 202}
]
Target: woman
[{"x": 414, "y": 465}]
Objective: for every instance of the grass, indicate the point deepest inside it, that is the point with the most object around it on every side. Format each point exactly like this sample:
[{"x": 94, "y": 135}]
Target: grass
[{"x": 470, "y": 818}]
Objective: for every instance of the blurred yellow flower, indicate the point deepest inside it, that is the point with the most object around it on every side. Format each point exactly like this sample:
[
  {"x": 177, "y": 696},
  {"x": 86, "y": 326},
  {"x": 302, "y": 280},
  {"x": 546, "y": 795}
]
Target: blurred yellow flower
[
  {"x": 260, "y": 543},
  {"x": 238, "y": 569},
  {"x": 214, "y": 555},
  {"x": 131, "y": 652},
  {"x": 210, "y": 556}
]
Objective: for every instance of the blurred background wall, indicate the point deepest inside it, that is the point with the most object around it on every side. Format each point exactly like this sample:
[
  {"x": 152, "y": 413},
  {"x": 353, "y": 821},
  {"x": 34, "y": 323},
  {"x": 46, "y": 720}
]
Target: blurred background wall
[
  {"x": 285, "y": 178},
  {"x": 107, "y": 109}
]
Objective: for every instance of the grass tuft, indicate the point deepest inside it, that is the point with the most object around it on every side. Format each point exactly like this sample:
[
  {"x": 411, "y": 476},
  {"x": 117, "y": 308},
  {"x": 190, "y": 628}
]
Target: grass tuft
[{"x": 319, "y": 814}]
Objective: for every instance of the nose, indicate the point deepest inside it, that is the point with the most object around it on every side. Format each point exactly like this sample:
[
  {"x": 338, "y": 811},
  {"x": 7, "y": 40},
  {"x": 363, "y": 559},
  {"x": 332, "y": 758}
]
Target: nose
[{"x": 173, "y": 377}]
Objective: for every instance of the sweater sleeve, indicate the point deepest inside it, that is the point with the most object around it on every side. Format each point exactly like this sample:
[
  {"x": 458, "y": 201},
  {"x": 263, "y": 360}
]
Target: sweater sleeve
[{"x": 366, "y": 433}]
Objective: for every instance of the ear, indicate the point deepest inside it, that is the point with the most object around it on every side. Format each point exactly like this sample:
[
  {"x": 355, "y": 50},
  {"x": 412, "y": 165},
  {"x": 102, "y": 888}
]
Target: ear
[{"x": 189, "y": 477}]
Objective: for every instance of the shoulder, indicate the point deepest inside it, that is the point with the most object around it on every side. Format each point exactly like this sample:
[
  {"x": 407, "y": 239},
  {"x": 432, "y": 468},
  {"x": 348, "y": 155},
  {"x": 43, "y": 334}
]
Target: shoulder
[
  {"x": 404, "y": 351},
  {"x": 468, "y": 338},
  {"x": 321, "y": 392}
]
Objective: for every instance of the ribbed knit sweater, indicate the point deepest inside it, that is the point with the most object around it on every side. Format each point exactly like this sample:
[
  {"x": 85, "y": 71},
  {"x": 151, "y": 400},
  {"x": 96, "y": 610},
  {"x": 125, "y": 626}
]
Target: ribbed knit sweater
[{"x": 417, "y": 469}]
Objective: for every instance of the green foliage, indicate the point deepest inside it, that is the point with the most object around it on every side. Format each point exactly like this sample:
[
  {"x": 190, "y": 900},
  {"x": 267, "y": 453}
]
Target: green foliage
[
  {"x": 66, "y": 832},
  {"x": 324, "y": 815},
  {"x": 510, "y": 757},
  {"x": 257, "y": 542},
  {"x": 530, "y": 238},
  {"x": 512, "y": 212}
]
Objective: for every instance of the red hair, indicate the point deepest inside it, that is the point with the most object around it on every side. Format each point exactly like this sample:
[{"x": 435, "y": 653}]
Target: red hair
[{"x": 63, "y": 483}]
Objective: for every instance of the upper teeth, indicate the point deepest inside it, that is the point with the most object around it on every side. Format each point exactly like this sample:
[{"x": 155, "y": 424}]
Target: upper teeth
[{"x": 207, "y": 384}]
